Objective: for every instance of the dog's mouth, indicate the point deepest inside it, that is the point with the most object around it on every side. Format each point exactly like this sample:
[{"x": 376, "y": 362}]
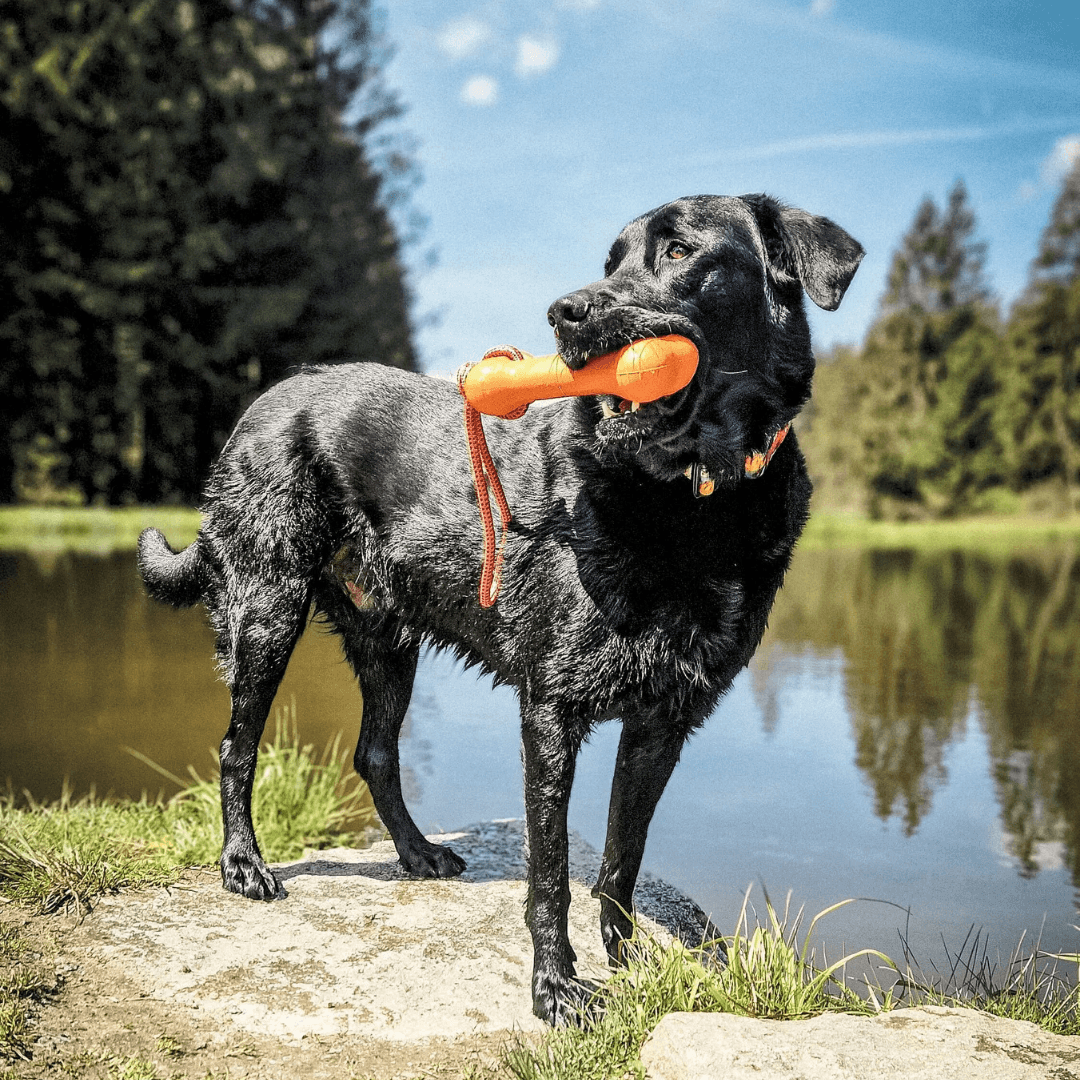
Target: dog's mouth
[
  {"x": 633, "y": 415},
  {"x": 612, "y": 407},
  {"x": 618, "y": 415}
]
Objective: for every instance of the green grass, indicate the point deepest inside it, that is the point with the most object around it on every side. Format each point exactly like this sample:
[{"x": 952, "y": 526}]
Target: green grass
[
  {"x": 767, "y": 974},
  {"x": 299, "y": 801},
  {"x": 101, "y": 530},
  {"x": 97, "y": 530},
  {"x": 25, "y": 978},
  {"x": 993, "y": 535},
  {"x": 1030, "y": 985},
  {"x": 61, "y": 855}
]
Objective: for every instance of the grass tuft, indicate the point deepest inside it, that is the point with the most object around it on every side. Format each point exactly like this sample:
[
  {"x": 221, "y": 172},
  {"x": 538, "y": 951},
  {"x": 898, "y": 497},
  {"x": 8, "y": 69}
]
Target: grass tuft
[
  {"x": 298, "y": 801},
  {"x": 25, "y": 978},
  {"x": 766, "y": 973},
  {"x": 1030, "y": 985},
  {"x": 59, "y": 856}
]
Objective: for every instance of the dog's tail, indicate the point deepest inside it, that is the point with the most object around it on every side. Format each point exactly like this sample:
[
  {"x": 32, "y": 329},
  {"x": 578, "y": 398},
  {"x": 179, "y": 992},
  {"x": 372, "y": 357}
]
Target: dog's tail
[{"x": 173, "y": 577}]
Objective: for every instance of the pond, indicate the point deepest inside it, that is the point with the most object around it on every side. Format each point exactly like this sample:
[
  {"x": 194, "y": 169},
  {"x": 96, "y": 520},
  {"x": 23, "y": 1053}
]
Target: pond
[{"x": 909, "y": 732}]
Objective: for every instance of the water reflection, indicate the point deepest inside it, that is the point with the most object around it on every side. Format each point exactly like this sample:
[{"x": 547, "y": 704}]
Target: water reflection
[
  {"x": 919, "y": 645},
  {"x": 90, "y": 665},
  {"x": 932, "y": 639}
]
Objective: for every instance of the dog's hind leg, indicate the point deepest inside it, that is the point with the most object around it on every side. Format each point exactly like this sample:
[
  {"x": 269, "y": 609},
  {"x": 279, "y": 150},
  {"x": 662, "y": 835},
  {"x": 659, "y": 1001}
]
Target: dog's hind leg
[
  {"x": 385, "y": 673},
  {"x": 257, "y": 643},
  {"x": 648, "y": 752}
]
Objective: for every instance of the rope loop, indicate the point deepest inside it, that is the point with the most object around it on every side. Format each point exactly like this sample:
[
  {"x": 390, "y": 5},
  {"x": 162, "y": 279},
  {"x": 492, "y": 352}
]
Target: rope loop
[{"x": 487, "y": 483}]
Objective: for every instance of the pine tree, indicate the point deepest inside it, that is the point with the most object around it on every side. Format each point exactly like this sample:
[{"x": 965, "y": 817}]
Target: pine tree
[
  {"x": 939, "y": 265},
  {"x": 1041, "y": 410},
  {"x": 929, "y": 364},
  {"x": 1058, "y": 260},
  {"x": 184, "y": 215},
  {"x": 904, "y": 425}
]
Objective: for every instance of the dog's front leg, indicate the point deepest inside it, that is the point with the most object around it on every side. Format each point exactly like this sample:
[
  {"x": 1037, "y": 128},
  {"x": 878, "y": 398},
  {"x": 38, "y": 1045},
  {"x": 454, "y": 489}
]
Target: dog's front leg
[
  {"x": 549, "y": 746},
  {"x": 648, "y": 752}
]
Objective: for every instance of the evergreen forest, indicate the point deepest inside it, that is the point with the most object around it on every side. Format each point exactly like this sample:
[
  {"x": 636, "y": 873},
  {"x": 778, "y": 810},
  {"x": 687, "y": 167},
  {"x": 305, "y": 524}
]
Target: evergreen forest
[
  {"x": 948, "y": 407},
  {"x": 197, "y": 196},
  {"x": 194, "y": 198}
]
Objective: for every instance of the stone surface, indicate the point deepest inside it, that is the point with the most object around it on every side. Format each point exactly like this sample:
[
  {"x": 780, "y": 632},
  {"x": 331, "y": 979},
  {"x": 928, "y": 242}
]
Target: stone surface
[
  {"x": 358, "y": 948},
  {"x": 927, "y": 1043}
]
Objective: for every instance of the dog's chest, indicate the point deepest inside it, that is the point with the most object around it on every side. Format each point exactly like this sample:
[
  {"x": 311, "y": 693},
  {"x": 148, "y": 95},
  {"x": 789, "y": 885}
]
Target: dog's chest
[{"x": 637, "y": 621}]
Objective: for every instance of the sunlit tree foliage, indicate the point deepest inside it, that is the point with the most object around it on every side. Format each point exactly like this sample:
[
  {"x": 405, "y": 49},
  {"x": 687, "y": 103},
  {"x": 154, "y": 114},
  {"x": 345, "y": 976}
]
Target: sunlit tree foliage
[
  {"x": 1040, "y": 412},
  {"x": 944, "y": 410}
]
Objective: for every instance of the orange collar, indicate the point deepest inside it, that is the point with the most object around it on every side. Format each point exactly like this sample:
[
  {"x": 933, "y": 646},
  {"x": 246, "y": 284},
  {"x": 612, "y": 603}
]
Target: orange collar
[{"x": 754, "y": 466}]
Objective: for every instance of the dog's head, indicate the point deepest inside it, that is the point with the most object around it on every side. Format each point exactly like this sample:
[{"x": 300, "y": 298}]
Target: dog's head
[{"x": 729, "y": 274}]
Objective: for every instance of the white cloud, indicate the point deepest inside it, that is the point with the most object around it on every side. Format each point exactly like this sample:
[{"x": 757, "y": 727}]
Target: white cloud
[
  {"x": 855, "y": 140},
  {"x": 1061, "y": 159},
  {"x": 463, "y": 37},
  {"x": 480, "y": 90},
  {"x": 535, "y": 55},
  {"x": 821, "y": 8},
  {"x": 1027, "y": 191}
]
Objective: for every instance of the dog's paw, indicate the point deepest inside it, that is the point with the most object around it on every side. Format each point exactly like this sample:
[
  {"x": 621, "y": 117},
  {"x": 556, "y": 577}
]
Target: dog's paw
[
  {"x": 432, "y": 860},
  {"x": 248, "y": 875},
  {"x": 616, "y": 930},
  {"x": 564, "y": 1000}
]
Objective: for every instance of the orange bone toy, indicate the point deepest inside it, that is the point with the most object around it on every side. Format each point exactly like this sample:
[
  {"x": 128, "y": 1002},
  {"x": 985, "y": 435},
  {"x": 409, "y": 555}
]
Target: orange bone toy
[
  {"x": 643, "y": 371},
  {"x": 507, "y": 380}
]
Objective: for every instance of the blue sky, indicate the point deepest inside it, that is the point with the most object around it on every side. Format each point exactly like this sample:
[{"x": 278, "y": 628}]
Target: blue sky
[{"x": 542, "y": 128}]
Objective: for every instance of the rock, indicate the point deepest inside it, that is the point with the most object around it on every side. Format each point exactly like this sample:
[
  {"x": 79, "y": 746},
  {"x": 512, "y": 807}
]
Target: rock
[
  {"x": 927, "y": 1043},
  {"x": 358, "y": 948}
]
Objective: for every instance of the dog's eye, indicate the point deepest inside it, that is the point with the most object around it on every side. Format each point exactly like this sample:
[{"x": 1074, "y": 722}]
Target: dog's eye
[{"x": 678, "y": 251}]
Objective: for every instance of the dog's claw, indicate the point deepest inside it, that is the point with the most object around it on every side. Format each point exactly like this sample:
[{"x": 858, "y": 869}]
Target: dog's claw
[
  {"x": 432, "y": 861},
  {"x": 565, "y": 1000},
  {"x": 249, "y": 876}
]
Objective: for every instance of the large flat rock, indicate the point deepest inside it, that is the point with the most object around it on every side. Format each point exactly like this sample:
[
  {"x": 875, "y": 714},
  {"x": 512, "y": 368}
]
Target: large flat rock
[
  {"x": 927, "y": 1043},
  {"x": 358, "y": 948}
]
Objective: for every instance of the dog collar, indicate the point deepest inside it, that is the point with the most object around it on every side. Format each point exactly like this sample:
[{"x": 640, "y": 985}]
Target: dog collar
[{"x": 704, "y": 483}]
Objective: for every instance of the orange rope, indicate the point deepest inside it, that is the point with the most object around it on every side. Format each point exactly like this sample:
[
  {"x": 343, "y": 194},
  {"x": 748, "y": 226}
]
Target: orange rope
[{"x": 486, "y": 481}]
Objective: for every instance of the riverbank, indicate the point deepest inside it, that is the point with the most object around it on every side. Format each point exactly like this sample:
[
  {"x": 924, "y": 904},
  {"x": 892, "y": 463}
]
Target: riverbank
[
  {"x": 360, "y": 972},
  {"x": 100, "y": 530},
  {"x": 95, "y": 530},
  {"x": 147, "y": 969},
  {"x": 989, "y": 535}
]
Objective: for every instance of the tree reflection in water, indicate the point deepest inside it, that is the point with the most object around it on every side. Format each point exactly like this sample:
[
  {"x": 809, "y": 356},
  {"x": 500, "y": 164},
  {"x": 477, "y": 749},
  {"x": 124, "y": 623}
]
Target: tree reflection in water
[{"x": 929, "y": 639}]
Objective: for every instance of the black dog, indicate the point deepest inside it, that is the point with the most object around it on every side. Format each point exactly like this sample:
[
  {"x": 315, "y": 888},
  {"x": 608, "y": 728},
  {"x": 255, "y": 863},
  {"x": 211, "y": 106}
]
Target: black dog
[{"x": 646, "y": 549}]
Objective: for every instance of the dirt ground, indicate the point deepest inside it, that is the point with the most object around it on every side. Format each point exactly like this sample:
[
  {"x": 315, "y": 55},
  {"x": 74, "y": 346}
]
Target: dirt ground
[{"x": 357, "y": 972}]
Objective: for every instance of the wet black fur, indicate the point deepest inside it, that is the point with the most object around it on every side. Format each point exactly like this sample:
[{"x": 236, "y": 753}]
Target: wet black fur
[{"x": 623, "y": 595}]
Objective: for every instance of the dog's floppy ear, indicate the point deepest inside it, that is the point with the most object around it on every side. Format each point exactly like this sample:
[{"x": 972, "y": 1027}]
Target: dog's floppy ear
[{"x": 812, "y": 250}]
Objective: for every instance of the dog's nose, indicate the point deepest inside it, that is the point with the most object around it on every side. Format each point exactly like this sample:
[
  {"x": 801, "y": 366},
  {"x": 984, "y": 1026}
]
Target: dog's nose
[{"x": 572, "y": 308}]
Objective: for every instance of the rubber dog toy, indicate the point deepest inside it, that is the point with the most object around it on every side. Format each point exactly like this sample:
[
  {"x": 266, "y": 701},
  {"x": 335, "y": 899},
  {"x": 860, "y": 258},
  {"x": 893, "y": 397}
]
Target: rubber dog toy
[
  {"x": 643, "y": 371},
  {"x": 506, "y": 381}
]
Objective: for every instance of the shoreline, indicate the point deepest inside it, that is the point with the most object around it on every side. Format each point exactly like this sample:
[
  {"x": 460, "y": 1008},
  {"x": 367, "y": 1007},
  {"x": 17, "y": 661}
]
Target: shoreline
[{"x": 102, "y": 530}]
